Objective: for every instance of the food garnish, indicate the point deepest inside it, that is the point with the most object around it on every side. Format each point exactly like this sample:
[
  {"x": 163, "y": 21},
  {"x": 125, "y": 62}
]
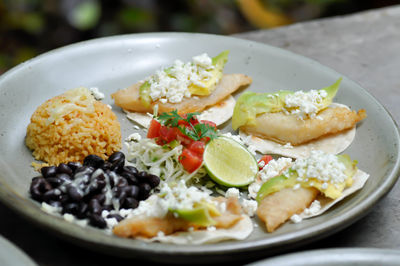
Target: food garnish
[{"x": 229, "y": 163}]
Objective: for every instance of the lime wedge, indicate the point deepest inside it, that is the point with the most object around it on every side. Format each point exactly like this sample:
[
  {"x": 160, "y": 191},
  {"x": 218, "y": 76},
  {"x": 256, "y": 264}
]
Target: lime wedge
[{"x": 229, "y": 163}]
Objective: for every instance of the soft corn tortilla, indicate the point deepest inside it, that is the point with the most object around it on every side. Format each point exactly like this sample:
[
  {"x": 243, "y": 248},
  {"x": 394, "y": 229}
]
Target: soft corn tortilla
[
  {"x": 219, "y": 113},
  {"x": 241, "y": 230},
  {"x": 333, "y": 144},
  {"x": 359, "y": 180}
]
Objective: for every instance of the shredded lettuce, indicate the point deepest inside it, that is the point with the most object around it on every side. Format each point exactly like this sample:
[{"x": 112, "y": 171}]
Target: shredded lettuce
[{"x": 146, "y": 155}]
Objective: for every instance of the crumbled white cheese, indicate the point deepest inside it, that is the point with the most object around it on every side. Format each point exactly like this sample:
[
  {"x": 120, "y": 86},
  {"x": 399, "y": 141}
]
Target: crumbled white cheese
[
  {"x": 160, "y": 234},
  {"x": 314, "y": 208},
  {"x": 296, "y": 218},
  {"x": 69, "y": 217},
  {"x": 321, "y": 166},
  {"x": 288, "y": 146},
  {"x": 305, "y": 104},
  {"x": 109, "y": 106},
  {"x": 96, "y": 93},
  {"x": 249, "y": 207},
  {"x": 261, "y": 164},
  {"x": 173, "y": 86},
  {"x": 297, "y": 186},
  {"x": 211, "y": 228},
  {"x": 50, "y": 209},
  {"x": 245, "y": 141},
  {"x": 253, "y": 189},
  {"x": 274, "y": 168},
  {"x": 170, "y": 198},
  {"x": 232, "y": 192},
  {"x": 133, "y": 137}
]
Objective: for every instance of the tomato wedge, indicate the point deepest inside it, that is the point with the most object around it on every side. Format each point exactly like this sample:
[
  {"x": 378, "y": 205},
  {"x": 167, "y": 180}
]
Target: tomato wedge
[
  {"x": 197, "y": 147},
  {"x": 167, "y": 134},
  {"x": 154, "y": 129},
  {"x": 189, "y": 160}
]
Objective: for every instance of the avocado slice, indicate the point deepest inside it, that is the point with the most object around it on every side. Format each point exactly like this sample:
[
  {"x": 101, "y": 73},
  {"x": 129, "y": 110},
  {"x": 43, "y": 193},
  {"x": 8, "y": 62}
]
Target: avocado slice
[
  {"x": 333, "y": 191},
  {"x": 209, "y": 85},
  {"x": 144, "y": 94},
  {"x": 276, "y": 184},
  {"x": 251, "y": 104},
  {"x": 200, "y": 215}
]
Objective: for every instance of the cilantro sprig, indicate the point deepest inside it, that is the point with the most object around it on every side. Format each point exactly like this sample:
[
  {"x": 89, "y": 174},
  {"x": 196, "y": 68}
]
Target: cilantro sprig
[{"x": 195, "y": 132}]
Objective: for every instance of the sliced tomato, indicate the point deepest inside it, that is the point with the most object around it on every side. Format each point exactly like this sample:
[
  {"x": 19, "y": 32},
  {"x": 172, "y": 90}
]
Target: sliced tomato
[
  {"x": 210, "y": 123},
  {"x": 265, "y": 159},
  {"x": 193, "y": 121},
  {"x": 189, "y": 160},
  {"x": 154, "y": 129},
  {"x": 197, "y": 147},
  {"x": 183, "y": 139},
  {"x": 167, "y": 134}
]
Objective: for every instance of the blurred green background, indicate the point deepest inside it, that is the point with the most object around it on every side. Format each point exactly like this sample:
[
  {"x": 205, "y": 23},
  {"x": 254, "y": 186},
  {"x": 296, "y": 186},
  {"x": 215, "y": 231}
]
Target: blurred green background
[{"x": 31, "y": 27}]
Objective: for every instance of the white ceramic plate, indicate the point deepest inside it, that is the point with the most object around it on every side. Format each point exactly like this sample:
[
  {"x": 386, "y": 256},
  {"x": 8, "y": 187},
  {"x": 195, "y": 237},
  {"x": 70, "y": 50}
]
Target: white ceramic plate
[
  {"x": 117, "y": 62},
  {"x": 12, "y": 255}
]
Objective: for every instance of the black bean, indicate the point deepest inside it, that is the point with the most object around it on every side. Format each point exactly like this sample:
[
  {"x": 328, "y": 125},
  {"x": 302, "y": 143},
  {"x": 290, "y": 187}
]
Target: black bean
[
  {"x": 144, "y": 191},
  {"x": 118, "y": 166},
  {"x": 64, "y": 178},
  {"x": 63, "y": 168},
  {"x": 97, "y": 221},
  {"x": 82, "y": 210},
  {"x": 49, "y": 171},
  {"x": 54, "y": 181},
  {"x": 142, "y": 176},
  {"x": 116, "y": 216},
  {"x": 95, "y": 207},
  {"x": 116, "y": 156},
  {"x": 93, "y": 161},
  {"x": 108, "y": 207},
  {"x": 131, "y": 178},
  {"x": 64, "y": 198},
  {"x": 132, "y": 191},
  {"x": 100, "y": 198},
  {"x": 131, "y": 169},
  {"x": 84, "y": 170},
  {"x": 106, "y": 166},
  {"x": 52, "y": 195},
  {"x": 71, "y": 208},
  {"x": 130, "y": 203},
  {"x": 74, "y": 165},
  {"x": 36, "y": 188},
  {"x": 122, "y": 182},
  {"x": 153, "y": 180},
  {"x": 74, "y": 193}
]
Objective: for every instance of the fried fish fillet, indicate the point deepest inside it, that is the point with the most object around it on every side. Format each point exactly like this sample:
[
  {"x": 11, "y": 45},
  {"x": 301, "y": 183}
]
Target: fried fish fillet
[
  {"x": 149, "y": 227},
  {"x": 277, "y": 208},
  {"x": 283, "y": 128},
  {"x": 129, "y": 99}
]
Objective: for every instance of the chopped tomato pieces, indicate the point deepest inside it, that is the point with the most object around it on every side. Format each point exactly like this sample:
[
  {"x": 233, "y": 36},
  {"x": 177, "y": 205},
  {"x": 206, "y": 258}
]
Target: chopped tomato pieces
[
  {"x": 265, "y": 159},
  {"x": 189, "y": 160},
  {"x": 154, "y": 129},
  {"x": 210, "y": 123},
  {"x": 167, "y": 134},
  {"x": 197, "y": 147}
]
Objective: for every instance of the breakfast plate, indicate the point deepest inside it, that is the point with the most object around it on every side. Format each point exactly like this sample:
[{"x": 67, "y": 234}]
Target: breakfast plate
[{"x": 117, "y": 62}]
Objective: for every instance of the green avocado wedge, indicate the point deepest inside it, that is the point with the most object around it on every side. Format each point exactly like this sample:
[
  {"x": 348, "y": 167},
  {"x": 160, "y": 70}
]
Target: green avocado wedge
[
  {"x": 251, "y": 104},
  {"x": 199, "y": 216},
  {"x": 276, "y": 184}
]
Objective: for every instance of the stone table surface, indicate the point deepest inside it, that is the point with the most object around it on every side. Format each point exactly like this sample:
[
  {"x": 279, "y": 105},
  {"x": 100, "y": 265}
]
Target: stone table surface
[{"x": 366, "y": 48}]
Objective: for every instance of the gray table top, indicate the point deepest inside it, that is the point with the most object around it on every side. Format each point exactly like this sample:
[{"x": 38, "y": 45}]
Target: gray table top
[{"x": 365, "y": 47}]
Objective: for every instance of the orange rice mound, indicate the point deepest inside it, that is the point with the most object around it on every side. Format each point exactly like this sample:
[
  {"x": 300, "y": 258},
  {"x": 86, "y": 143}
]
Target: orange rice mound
[{"x": 71, "y": 126}]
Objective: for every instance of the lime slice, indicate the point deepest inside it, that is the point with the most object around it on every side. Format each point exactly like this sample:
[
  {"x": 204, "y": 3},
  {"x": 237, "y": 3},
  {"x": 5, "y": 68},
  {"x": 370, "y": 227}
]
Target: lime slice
[{"x": 229, "y": 163}]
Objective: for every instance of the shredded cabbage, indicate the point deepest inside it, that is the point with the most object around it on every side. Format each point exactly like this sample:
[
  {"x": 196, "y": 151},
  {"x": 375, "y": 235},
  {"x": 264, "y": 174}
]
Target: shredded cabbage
[{"x": 148, "y": 156}]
